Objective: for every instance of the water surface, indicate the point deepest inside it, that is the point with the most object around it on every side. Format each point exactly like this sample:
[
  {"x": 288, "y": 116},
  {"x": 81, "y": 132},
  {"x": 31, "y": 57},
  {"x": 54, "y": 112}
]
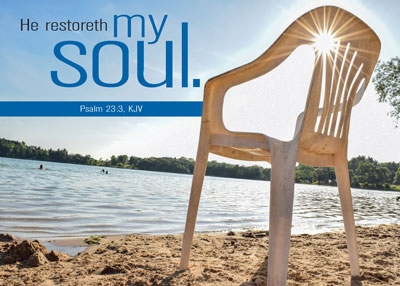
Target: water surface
[{"x": 68, "y": 200}]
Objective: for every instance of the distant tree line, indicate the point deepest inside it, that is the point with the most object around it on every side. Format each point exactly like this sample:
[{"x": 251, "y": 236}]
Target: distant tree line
[
  {"x": 16, "y": 149},
  {"x": 365, "y": 172}
]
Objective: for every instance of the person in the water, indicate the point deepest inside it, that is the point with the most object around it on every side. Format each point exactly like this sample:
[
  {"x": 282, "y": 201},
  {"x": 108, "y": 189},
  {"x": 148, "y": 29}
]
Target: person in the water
[{"x": 41, "y": 167}]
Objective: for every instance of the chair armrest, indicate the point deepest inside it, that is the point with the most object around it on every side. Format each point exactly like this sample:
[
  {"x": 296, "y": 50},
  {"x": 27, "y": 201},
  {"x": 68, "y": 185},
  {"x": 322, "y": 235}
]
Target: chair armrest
[{"x": 216, "y": 87}]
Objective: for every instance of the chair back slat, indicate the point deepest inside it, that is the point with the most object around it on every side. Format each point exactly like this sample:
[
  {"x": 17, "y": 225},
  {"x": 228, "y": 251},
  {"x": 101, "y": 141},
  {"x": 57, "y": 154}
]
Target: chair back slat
[
  {"x": 348, "y": 94},
  {"x": 338, "y": 73}
]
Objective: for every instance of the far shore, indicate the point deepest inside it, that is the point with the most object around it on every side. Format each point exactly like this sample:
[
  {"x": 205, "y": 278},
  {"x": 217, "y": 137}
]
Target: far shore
[
  {"x": 233, "y": 258},
  {"x": 380, "y": 176}
]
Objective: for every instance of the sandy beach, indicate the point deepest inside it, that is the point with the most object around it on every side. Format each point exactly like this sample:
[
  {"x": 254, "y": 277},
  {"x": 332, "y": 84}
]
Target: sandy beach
[{"x": 217, "y": 259}]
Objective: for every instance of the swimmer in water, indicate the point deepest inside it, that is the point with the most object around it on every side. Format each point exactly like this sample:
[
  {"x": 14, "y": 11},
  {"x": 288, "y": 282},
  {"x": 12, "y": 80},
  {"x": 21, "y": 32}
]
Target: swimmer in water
[{"x": 41, "y": 167}]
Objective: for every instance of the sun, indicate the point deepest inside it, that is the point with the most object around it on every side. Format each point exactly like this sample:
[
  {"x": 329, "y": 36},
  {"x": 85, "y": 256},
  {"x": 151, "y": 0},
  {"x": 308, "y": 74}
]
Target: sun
[{"x": 324, "y": 42}]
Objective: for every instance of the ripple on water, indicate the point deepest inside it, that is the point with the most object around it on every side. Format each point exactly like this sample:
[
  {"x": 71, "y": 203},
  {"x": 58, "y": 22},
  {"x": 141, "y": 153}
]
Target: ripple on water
[{"x": 75, "y": 201}]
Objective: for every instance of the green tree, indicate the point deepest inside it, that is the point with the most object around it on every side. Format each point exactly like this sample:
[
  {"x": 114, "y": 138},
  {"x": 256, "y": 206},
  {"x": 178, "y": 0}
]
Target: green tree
[
  {"x": 114, "y": 160},
  {"x": 387, "y": 85},
  {"x": 382, "y": 174},
  {"x": 325, "y": 175},
  {"x": 122, "y": 159},
  {"x": 396, "y": 180},
  {"x": 366, "y": 173},
  {"x": 393, "y": 167},
  {"x": 134, "y": 161},
  {"x": 354, "y": 182},
  {"x": 304, "y": 174}
]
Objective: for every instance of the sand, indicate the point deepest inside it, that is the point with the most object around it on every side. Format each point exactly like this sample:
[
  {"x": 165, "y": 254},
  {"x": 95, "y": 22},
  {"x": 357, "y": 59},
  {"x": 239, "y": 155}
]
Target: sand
[{"x": 217, "y": 259}]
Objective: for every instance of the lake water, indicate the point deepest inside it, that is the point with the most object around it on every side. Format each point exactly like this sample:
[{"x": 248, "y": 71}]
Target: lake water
[{"x": 75, "y": 201}]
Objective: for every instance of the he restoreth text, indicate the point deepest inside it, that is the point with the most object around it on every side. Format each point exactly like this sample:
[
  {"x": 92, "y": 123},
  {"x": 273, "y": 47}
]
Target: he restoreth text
[{"x": 72, "y": 26}]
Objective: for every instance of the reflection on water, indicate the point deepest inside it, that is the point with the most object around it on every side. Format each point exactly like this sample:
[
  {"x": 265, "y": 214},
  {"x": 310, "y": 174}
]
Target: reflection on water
[{"x": 72, "y": 200}]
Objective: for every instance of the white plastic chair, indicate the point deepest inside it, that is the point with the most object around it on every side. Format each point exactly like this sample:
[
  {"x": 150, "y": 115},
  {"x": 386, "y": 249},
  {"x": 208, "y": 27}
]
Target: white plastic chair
[{"x": 346, "y": 51}]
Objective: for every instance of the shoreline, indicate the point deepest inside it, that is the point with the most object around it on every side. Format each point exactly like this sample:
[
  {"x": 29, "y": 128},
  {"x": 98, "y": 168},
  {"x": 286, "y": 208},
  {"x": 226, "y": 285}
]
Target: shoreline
[
  {"x": 237, "y": 258},
  {"x": 70, "y": 244},
  {"x": 391, "y": 187}
]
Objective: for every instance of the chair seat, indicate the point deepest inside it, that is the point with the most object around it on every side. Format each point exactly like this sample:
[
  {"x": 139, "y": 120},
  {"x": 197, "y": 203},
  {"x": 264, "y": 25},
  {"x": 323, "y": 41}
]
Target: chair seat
[
  {"x": 314, "y": 149},
  {"x": 259, "y": 154},
  {"x": 241, "y": 146},
  {"x": 248, "y": 154}
]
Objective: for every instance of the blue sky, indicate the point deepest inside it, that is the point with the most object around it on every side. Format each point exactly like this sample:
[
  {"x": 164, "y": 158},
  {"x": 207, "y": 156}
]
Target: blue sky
[{"x": 222, "y": 36}]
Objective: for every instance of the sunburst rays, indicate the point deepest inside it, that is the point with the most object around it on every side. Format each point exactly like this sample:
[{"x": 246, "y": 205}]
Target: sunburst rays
[{"x": 324, "y": 42}]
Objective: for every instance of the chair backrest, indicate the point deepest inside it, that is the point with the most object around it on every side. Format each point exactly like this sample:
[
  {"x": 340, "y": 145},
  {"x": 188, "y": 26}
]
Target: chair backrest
[{"x": 346, "y": 50}]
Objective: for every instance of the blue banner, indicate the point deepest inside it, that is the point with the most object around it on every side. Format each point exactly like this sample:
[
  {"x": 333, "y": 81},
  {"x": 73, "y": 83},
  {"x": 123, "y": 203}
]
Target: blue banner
[{"x": 100, "y": 108}]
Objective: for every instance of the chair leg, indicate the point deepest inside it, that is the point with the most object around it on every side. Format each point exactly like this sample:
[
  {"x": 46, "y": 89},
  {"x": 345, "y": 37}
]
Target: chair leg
[
  {"x": 342, "y": 176},
  {"x": 283, "y": 165},
  {"x": 197, "y": 183}
]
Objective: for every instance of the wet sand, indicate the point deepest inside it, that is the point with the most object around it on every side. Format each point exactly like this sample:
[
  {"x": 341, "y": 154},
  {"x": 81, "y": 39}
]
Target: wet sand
[{"x": 217, "y": 259}]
